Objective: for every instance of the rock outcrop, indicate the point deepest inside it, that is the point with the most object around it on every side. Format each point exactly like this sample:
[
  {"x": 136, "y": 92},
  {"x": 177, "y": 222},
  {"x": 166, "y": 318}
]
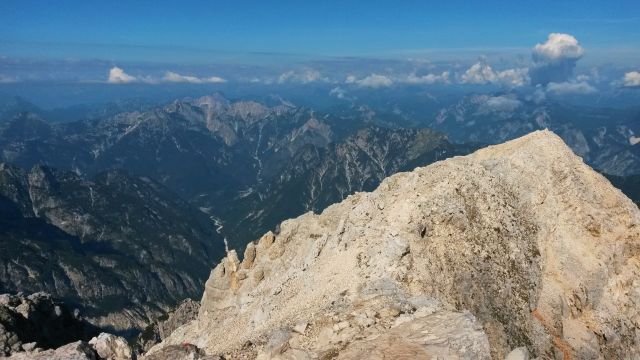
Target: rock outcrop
[
  {"x": 38, "y": 327},
  {"x": 517, "y": 245},
  {"x": 111, "y": 347},
  {"x": 78, "y": 350},
  {"x": 38, "y": 322},
  {"x": 161, "y": 329}
]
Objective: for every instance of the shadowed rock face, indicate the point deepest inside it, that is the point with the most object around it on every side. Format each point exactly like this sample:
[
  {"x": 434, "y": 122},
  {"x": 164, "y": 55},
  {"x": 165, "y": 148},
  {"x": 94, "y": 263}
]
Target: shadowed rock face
[
  {"x": 161, "y": 329},
  {"x": 37, "y": 321},
  {"x": 517, "y": 245},
  {"x": 121, "y": 248}
]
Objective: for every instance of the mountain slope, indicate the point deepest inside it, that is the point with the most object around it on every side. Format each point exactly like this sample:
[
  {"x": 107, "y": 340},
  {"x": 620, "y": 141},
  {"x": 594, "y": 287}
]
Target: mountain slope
[
  {"x": 604, "y": 137},
  {"x": 124, "y": 248},
  {"x": 516, "y": 245},
  {"x": 11, "y": 106},
  {"x": 318, "y": 176},
  {"x": 239, "y": 161}
]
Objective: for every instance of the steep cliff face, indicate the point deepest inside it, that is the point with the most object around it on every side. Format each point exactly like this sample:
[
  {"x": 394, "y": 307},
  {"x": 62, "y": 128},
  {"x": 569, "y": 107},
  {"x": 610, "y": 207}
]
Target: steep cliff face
[
  {"x": 123, "y": 248},
  {"x": 517, "y": 245}
]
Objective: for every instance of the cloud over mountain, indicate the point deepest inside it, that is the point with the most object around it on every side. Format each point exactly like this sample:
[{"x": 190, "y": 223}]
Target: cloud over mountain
[
  {"x": 631, "y": 79},
  {"x": 170, "y": 76},
  {"x": 428, "y": 79},
  {"x": 502, "y": 104},
  {"x": 481, "y": 73},
  {"x": 118, "y": 76},
  {"x": 372, "y": 81},
  {"x": 570, "y": 88},
  {"x": 339, "y": 93},
  {"x": 555, "y": 59},
  {"x": 302, "y": 77},
  {"x": 379, "y": 81}
]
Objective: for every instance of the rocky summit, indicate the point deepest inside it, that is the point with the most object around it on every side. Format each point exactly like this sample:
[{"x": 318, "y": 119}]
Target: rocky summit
[{"x": 518, "y": 250}]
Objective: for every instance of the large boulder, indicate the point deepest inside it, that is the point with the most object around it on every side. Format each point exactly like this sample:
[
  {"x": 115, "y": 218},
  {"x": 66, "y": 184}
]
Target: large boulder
[{"x": 111, "y": 347}]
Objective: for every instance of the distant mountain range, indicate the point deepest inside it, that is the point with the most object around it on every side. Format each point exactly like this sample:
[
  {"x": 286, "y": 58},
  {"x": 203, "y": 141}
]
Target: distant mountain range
[
  {"x": 606, "y": 138},
  {"x": 237, "y": 161},
  {"x": 106, "y": 209}
]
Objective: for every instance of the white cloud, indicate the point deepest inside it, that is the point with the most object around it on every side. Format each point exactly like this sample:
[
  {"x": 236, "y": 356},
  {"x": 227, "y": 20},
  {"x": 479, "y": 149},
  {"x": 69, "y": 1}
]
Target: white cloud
[
  {"x": 479, "y": 73},
  {"x": 514, "y": 77},
  {"x": 558, "y": 46},
  {"x": 631, "y": 79},
  {"x": 339, "y": 92},
  {"x": 428, "y": 79},
  {"x": 304, "y": 77},
  {"x": 570, "y": 88},
  {"x": 351, "y": 79},
  {"x": 583, "y": 77},
  {"x": 170, "y": 76},
  {"x": 482, "y": 73},
  {"x": 503, "y": 104},
  {"x": 375, "y": 81},
  {"x": 555, "y": 59},
  {"x": 149, "y": 80},
  {"x": 118, "y": 76}
]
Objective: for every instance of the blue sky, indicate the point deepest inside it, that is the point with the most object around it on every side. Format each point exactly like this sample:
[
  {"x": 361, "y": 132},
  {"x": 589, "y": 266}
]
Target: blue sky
[
  {"x": 585, "y": 46},
  {"x": 236, "y": 31}
]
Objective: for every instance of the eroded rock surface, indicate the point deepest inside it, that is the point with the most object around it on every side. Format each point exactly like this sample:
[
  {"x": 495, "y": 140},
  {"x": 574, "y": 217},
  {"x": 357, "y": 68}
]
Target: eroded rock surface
[
  {"x": 37, "y": 321},
  {"x": 78, "y": 350},
  {"x": 517, "y": 245},
  {"x": 111, "y": 347},
  {"x": 185, "y": 312}
]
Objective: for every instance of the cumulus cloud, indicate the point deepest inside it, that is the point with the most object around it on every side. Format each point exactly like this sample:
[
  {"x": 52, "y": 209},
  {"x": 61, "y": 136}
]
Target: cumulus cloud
[
  {"x": 571, "y": 88},
  {"x": 428, "y": 79},
  {"x": 304, "y": 77},
  {"x": 118, "y": 76},
  {"x": 514, "y": 77},
  {"x": 482, "y": 73},
  {"x": 479, "y": 73},
  {"x": 374, "y": 81},
  {"x": 558, "y": 47},
  {"x": 631, "y": 79},
  {"x": 555, "y": 59},
  {"x": 170, "y": 76},
  {"x": 501, "y": 104}
]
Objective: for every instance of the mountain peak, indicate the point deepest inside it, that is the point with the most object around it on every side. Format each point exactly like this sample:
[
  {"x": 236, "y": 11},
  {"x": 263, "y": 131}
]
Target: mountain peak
[{"x": 518, "y": 244}]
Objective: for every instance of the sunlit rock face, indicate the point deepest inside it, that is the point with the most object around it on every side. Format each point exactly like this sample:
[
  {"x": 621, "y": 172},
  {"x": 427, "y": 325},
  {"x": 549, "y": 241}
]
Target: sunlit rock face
[{"x": 518, "y": 249}]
